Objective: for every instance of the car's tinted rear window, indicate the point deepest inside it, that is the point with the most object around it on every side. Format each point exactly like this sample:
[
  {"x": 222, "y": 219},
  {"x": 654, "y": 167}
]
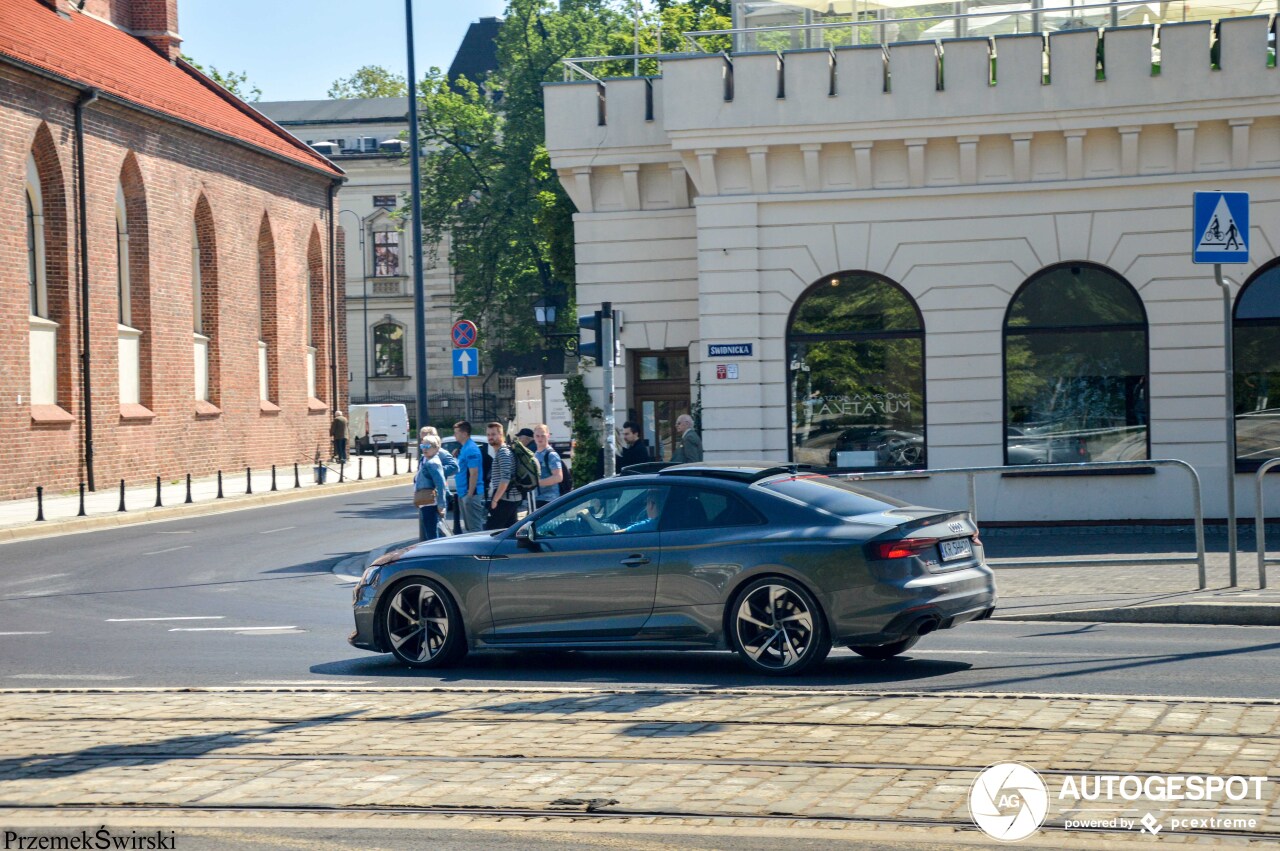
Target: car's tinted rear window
[{"x": 841, "y": 498}]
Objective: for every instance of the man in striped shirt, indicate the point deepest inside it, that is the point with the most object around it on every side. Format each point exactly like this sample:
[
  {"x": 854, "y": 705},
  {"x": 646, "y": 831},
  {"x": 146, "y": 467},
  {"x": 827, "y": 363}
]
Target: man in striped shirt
[{"x": 503, "y": 497}]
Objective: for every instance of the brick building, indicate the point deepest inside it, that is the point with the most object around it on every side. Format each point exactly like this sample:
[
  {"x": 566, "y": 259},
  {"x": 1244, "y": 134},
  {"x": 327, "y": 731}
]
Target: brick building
[{"x": 166, "y": 302}]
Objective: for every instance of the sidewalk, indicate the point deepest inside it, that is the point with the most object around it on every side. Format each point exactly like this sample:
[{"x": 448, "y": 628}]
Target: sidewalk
[
  {"x": 770, "y": 758},
  {"x": 102, "y": 508}
]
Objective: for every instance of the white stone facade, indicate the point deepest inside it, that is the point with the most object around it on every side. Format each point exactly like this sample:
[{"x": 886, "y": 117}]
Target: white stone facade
[{"x": 712, "y": 197}]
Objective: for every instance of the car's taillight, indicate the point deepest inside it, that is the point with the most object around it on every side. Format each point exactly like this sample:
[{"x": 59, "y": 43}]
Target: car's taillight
[{"x": 906, "y": 548}]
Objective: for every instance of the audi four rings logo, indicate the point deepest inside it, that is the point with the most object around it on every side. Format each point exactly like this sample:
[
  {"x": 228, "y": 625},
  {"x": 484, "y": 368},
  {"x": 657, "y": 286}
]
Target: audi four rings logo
[{"x": 1008, "y": 801}]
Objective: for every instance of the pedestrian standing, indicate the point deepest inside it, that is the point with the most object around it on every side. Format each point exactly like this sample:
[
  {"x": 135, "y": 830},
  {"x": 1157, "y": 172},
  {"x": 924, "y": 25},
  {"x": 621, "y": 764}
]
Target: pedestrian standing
[
  {"x": 470, "y": 480},
  {"x": 550, "y": 465},
  {"x": 430, "y": 477},
  {"x": 338, "y": 431},
  {"x": 635, "y": 449},
  {"x": 690, "y": 448},
  {"x": 525, "y": 436},
  {"x": 503, "y": 499}
]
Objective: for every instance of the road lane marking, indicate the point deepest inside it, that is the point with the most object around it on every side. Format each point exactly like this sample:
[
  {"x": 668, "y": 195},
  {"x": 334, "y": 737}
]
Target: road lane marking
[
  {"x": 189, "y": 618},
  {"x": 226, "y": 628},
  {"x": 305, "y": 682},
  {"x": 24, "y": 633},
  {"x": 273, "y": 531},
  {"x": 177, "y": 532},
  {"x": 170, "y": 550},
  {"x": 67, "y": 677}
]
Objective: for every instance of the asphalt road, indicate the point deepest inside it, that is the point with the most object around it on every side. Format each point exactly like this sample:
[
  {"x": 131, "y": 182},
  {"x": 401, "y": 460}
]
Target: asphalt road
[{"x": 248, "y": 598}]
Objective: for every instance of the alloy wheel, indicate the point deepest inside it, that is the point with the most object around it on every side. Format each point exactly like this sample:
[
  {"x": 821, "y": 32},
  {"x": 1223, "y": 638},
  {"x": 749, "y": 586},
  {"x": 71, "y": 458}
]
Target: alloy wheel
[
  {"x": 775, "y": 627},
  {"x": 417, "y": 623}
]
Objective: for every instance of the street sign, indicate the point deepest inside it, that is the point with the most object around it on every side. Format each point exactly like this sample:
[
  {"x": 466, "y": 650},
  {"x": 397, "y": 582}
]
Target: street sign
[
  {"x": 730, "y": 350},
  {"x": 466, "y": 363},
  {"x": 1220, "y": 227},
  {"x": 464, "y": 335}
]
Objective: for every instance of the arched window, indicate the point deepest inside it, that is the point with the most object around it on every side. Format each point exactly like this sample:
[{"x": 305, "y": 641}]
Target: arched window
[
  {"x": 388, "y": 349},
  {"x": 268, "y": 321},
  {"x": 133, "y": 292},
  {"x": 34, "y": 258},
  {"x": 122, "y": 259},
  {"x": 855, "y": 347},
  {"x": 204, "y": 306},
  {"x": 52, "y": 364},
  {"x": 1257, "y": 366},
  {"x": 317, "y": 340},
  {"x": 1075, "y": 368}
]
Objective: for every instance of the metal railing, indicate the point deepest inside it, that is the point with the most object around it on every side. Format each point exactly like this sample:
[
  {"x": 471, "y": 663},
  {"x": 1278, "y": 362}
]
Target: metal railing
[
  {"x": 971, "y": 473},
  {"x": 1260, "y": 521}
]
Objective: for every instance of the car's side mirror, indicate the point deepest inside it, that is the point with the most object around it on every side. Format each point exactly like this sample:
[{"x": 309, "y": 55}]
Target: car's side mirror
[{"x": 525, "y": 535}]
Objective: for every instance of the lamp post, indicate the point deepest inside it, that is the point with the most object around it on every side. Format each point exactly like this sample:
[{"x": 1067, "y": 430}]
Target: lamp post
[
  {"x": 544, "y": 314},
  {"x": 419, "y": 303},
  {"x": 364, "y": 298}
]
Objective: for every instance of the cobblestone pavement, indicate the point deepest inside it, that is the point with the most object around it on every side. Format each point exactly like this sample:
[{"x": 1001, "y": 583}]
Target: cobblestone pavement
[{"x": 774, "y": 757}]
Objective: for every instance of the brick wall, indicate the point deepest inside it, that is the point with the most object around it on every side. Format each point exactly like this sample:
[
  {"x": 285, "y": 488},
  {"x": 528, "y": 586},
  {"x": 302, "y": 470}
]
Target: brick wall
[{"x": 174, "y": 178}]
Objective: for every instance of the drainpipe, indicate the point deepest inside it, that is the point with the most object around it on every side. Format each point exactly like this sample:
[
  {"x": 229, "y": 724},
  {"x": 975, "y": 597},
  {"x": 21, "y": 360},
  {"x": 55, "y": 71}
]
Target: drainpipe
[
  {"x": 333, "y": 296},
  {"x": 82, "y": 237}
]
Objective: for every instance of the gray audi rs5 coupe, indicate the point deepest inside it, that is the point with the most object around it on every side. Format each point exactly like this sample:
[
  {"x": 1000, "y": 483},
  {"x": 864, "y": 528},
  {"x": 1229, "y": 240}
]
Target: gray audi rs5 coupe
[{"x": 774, "y": 562}]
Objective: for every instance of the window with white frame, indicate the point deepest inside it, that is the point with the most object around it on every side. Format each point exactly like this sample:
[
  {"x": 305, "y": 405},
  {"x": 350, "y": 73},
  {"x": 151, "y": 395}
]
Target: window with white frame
[{"x": 386, "y": 253}]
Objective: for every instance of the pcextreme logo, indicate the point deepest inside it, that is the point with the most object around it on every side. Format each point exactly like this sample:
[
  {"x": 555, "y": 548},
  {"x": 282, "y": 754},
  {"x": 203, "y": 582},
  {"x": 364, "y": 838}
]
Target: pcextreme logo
[{"x": 1008, "y": 801}]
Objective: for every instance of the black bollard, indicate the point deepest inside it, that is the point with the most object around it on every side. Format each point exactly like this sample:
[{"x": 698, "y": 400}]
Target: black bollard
[
  {"x": 158, "y": 504},
  {"x": 219, "y": 484},
  {"x": 359, "y": 468},
  {"x": 273, "y": 476},
  {"x": 395, "y": 463},
  {"x": 377, "y": 462},
  {"x": 342, "y": 472},
  {"x": 297, "y": 483},
  {"x": 81, "y": 512},
  {"x": 189, "y": 499},
  {"x": 248, "y": 480},
  {"x": 39, "y": 504},
  {"x": 121, "y": 508}
]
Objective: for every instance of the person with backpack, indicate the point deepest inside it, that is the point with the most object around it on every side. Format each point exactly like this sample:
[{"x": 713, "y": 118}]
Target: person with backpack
[
  {"x": 503, "y": 495},
  {"x": 550, "y": 466}
]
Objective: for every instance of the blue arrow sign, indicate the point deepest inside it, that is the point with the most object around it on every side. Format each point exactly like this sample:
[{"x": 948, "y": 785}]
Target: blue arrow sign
[
  {"x": 1220, "y": 227},
  {"x": 466, "y": 362}
]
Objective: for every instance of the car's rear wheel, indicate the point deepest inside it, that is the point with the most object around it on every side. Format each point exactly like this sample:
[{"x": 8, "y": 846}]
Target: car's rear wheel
[
  {"x": 423, "y": 626},
  {"x": 885, "y": 651},
  {"x": 778, "y": 628}
]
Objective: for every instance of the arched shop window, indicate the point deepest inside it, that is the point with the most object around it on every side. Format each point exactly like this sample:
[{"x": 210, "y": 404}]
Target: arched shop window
[
  {"x": 1075, "y": 368},
  {"x": 1257, "y": 367},
  {"x": 855, "y": 347}
]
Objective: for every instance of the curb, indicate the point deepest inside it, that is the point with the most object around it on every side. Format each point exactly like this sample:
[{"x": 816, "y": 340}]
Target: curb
[
  {"x": 76, "y": 525},
  {"x": 1209, "y": 614}
]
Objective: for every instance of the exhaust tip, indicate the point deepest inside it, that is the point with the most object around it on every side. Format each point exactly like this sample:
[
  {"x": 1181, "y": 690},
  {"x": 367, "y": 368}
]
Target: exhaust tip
[{"x": 926, "y": 626}]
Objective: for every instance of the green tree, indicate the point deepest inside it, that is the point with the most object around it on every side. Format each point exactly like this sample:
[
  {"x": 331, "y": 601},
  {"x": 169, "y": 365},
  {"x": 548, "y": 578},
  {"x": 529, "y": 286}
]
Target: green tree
[
  {"x": 370, "y": 81},
  {"x": 236, "y": 82}
]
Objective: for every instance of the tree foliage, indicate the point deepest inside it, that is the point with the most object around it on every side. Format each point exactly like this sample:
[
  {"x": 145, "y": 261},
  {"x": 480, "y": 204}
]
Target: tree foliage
[
  {"x": 370, "y": 81},
  {"x": 236, "y": 82}
]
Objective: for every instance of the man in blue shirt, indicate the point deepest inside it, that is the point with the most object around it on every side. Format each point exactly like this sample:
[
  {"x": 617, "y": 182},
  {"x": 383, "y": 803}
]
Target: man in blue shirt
[
  {"x": 648, "y": 523},
  {"x": 470, "y": 479},
  {"x": 550, "y": 465}
]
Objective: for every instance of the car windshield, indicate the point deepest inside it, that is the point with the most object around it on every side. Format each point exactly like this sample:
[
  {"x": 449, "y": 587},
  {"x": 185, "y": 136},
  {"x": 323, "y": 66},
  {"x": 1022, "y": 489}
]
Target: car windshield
[{"x": 834, "y": 496}]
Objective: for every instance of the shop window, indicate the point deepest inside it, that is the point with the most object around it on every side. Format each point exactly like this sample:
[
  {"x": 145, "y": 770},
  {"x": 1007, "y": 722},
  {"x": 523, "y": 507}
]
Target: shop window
[
  {"x": 1075, "y": 369},
  {"x": 388, "y": 350},
  {"x": 1257, "y": 367},
  {"x": 856, "y": 375}
]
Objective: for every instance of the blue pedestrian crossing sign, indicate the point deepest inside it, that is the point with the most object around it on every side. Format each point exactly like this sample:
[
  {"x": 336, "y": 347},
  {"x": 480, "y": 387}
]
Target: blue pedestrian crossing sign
[
  {"x": 1220, "y": 227},
  {"x": 466, "y": 363}
]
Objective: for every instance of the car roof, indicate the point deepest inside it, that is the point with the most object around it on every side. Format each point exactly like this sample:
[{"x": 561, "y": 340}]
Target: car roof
[{"x": 737, "y": 471}]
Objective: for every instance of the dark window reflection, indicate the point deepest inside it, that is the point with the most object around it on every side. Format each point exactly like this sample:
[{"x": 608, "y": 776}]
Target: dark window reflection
[
  {"x": 1257, "y": 367},
  {"x": 856, "y": 351},
  {"x": 1075, "y": 369}
]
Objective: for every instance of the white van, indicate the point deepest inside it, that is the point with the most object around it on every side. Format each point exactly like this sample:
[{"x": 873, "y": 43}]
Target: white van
[{"x": 378, "y": 427}]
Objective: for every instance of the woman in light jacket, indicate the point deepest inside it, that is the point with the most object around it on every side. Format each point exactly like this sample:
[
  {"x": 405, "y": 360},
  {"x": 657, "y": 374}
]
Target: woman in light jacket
[{"x": 430, "y": 475}]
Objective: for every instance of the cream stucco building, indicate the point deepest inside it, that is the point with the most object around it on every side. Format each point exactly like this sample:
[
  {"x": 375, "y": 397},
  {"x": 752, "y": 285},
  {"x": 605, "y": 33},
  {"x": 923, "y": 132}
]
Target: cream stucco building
[{"x": 930, "y": 254}]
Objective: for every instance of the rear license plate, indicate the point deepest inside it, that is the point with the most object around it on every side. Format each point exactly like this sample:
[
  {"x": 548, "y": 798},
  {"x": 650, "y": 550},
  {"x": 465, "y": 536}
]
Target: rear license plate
[
  {"x": 956, "y": 549},
  {"x": 380, "y": 438}
]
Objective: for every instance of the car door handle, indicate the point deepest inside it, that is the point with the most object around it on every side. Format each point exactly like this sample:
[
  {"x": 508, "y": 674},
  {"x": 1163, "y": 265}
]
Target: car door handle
[{"x": 635, "y": 560}]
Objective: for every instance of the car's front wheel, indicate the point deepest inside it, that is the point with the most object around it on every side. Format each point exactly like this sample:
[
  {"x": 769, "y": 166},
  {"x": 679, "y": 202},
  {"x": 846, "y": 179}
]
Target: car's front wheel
[
  {"x": 778, "y": 628},
  {"x": 423, "y": 626},
  {"x": 885, "y": 651}
]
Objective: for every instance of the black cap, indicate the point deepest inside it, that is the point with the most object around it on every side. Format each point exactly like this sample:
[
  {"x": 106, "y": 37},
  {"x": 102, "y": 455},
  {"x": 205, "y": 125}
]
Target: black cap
[{"x": 525, "y": 432}]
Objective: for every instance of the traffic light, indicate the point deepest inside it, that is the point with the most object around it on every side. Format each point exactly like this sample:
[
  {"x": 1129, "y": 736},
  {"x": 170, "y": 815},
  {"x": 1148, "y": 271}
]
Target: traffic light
[{"x": 595, "y": 324}]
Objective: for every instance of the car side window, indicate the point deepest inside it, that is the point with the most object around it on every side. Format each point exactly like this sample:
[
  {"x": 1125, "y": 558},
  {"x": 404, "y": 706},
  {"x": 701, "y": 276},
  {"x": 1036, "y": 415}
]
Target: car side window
[
  {"x": 703, "y": 508},
  {"x": 601, "y": 512}
]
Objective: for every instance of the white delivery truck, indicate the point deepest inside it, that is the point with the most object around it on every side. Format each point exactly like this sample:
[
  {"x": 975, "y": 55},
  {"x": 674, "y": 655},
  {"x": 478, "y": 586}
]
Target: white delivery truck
[
  {"x": 540, "y": 399},
  {"x": 378, "y": 427}
]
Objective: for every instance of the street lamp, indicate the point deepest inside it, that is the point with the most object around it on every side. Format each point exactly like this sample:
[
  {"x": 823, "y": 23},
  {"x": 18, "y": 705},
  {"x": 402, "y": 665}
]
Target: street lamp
[
  {"x": 364, "y": 297},
  {"x": 544, "y": 312}
]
